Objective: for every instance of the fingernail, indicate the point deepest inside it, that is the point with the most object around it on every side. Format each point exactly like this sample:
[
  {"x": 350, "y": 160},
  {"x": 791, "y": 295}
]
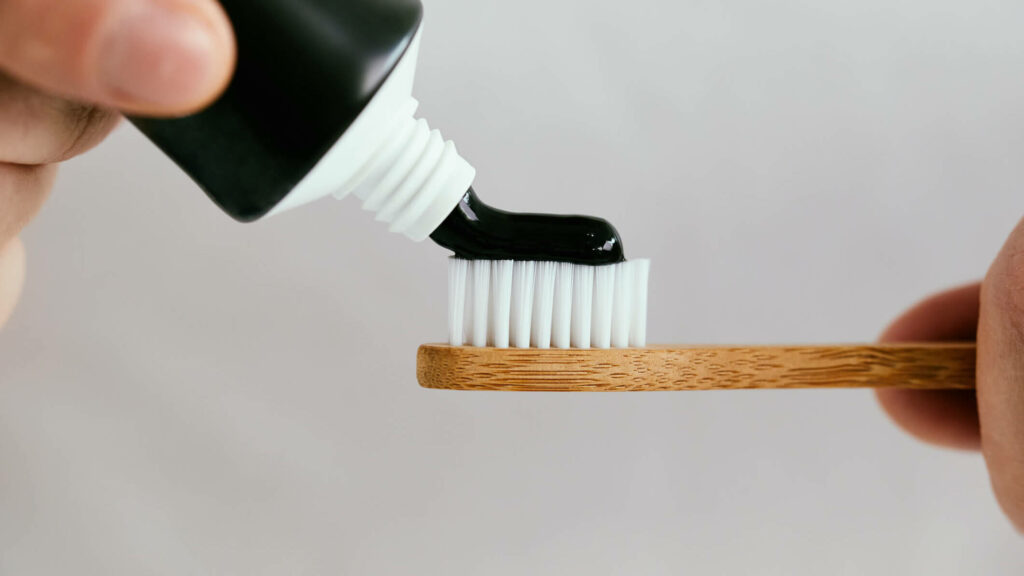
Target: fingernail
[{"x": 159, "y": 57}]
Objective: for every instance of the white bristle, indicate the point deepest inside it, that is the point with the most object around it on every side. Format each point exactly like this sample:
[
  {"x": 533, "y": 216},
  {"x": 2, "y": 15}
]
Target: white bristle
[
  {"x": 622, "y": 307},
  {"x": 547, "y": 304},
  {"x": 543, "y": 304},
  {"x": 582, "y": 305},
  {"x": 468, "y": 319},
  {"x": 457, "y": 272},
  {"x": 604, "y": 294},
  {"x": 501, "y": 303},
  {"x": 521, "y": 315},
  {"x": 561, "y": 312},
  {"x": 481, "y": 299},
  {"x": 467, "y": 307}
]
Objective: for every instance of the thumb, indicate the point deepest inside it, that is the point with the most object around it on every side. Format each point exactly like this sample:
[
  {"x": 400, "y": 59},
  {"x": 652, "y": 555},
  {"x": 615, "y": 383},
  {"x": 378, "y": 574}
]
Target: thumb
[
  {"x": 157, "y": 57},
  {"x": 1001, "y": 375}
]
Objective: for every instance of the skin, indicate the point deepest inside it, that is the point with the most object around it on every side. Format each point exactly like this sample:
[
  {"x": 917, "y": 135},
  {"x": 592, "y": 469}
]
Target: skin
[
  {"x": 991, "y": 420},
  {"x": 68, "y": 66}
]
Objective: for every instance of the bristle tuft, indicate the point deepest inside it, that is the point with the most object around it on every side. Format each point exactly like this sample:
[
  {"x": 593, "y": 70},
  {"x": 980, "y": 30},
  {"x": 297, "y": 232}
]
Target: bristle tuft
[
  {"x": 501, "y": 303},
  {"x": 543, "y": 305},
  {"x": 547, "y": 304},
  {"x": 561, "y": 315},
  {"x": 521, "y": 316},
  {"x": 458, "y": 270},
  {"x": 477, "y": 311},
  {"x": 638, "y": 324},
  {"x": 604, "y": 299}
]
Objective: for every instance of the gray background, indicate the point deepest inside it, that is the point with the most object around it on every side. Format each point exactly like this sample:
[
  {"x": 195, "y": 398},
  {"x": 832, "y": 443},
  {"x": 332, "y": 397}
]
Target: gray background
[{"x": 184, "y": 395}]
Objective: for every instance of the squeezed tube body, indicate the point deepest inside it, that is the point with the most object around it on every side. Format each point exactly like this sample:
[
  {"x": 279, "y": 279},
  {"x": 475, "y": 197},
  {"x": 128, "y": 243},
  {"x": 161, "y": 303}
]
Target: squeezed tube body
[{"x": 306, "y": 71}]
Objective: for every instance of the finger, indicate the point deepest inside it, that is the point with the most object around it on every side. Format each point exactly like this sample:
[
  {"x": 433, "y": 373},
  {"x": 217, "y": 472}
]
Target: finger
[
  {"x": 950, "y": 316},
  {"x": 159, "y": 57},
  {"x": 12, "y": 277},
  {"x": 947, "y": 418},
  {"x": 39, "y": 128},
  {"x": 23, "y": 189},
  {"x": 1001, "y": 375}
]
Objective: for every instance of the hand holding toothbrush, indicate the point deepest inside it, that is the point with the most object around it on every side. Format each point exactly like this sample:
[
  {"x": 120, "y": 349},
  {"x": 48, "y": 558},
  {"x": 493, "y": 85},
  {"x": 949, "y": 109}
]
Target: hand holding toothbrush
[
  {"x": 66, "y": 65},
  {"x": 992, "y": 418}
]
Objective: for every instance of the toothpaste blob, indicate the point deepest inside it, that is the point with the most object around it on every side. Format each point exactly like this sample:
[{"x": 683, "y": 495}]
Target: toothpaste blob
[{"x": 476, "y": 231}]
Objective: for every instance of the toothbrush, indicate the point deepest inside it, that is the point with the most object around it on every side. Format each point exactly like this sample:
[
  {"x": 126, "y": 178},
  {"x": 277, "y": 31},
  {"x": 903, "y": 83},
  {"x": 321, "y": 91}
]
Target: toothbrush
[
  {"x": 938, "y": 366},
  {"x": 534, "y": 327}
]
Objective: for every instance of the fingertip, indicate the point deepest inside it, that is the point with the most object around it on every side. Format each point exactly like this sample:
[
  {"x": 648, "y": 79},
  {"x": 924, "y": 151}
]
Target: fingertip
[
  {"x": 151, "y": 57},
  {"x": 165, "y": 58},
  {"x": 948, "y": 316},
  {"x": 943, "y": 418}
]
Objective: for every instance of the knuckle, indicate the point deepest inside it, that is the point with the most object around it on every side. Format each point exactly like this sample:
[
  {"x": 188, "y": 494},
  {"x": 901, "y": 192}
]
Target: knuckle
[
  {"x": 83, "y": 127},
  {"x": 1003, "y": 289},
  {"x": 38, "y": 128}
]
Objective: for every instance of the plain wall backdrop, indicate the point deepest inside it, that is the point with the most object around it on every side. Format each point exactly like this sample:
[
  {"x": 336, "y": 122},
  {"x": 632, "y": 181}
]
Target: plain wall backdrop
[{"x": 181, "y": 394}]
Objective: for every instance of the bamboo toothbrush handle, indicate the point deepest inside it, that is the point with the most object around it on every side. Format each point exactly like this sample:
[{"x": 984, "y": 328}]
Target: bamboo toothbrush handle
[{"x": 914, "y": 366}]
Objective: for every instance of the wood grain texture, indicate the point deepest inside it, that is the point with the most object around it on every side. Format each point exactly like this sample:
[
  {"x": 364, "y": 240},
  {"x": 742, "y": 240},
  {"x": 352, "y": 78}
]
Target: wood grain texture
[{"x": 911, "y": 366}]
